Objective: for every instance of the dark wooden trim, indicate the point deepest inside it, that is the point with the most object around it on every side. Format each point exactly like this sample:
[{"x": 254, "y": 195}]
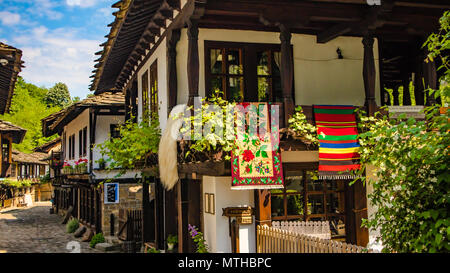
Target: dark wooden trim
[
  {"x": 369, "y": 74},
  {"x": 287, "y": 72},
  {"x": 193, "y": 63},
  {"x": 173, "y": 36}
]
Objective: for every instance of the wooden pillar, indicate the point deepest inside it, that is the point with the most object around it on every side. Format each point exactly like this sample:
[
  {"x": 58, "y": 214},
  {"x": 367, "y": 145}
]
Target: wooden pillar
[
  {"x": 395, "y": 94},
  {"x": 418, "y": 81},
  {"x": 287, "y": 72},
  {"x": 172, "y": 80},
  {"x": 133, "y": 98},
  {"x": 146, "y": 228},
  {"x": 430, "y": 77},
  {"x": 128, "y": 104},
  {"x": 263, "y": 208},
  {"x": 405, "y": 83},
  {"x": 360, "y": 210},
  {"x": 193, "y": 60},
  {"x": 369, "y": 74}
]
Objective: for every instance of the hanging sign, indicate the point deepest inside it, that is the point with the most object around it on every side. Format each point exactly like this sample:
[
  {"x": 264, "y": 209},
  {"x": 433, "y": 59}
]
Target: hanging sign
[
  {"x": 237, "y": 211},
  {"x": 111, "y": 193}
]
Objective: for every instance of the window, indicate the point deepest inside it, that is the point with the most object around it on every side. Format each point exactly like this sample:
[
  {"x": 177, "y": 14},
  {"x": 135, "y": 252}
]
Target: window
[
  {"x": 72, "y": 146},
  {"x": 84, "y": 141},
  {"x": 243, "y": 71},
  {"x": 69, "y": 155},
  {"x": 5, "y": 149},
  {"x": 114, "y": 131},
  {"x": 80, "y": 143},
  {"x": 145, "y": 97},
  {"x": 306, "y": 198},
  {"x": 154, "y": 89}
]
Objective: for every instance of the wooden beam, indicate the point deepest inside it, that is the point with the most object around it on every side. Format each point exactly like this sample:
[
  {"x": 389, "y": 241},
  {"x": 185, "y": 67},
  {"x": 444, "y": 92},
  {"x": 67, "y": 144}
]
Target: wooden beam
[
  {"x": 173, "y": 36},
  {"x": 286, "y": 72},
  {"x": 193, "y": 60},
  {"x": 376, "y": 17},
  {"x": 369, "y": 74}
]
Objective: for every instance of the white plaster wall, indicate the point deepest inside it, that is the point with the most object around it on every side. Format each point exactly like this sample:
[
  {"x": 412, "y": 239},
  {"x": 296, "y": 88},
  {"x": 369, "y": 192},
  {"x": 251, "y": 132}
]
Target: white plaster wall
[
  {"x": 73, "y": 127},
  {"x": 160, "y": 55},
  {"x": 102, "y": 133},
  {"x": 216, "y": 226},
  {"x": 319, "y": 77}
]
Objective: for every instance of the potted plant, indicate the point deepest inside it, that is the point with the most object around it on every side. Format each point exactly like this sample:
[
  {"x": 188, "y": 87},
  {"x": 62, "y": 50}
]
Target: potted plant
[
  {"x": 101, "y": 163},
  {"x": 82, "y": 165},
  {"x": 172, "y": 240},
  {"x": 67, "y": 168}
]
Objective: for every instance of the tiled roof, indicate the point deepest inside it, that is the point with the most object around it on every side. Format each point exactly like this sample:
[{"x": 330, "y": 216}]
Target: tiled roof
[
  {"x": 106, "y": 99},
  {"x": 17, "y": 132},
  {"x": 8, "y": 74},
  {"x": 34, "y": 158},
  {"x": 44, "y": 148}
]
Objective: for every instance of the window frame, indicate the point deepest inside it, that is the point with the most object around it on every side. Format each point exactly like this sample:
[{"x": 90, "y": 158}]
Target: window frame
[
  {"x": 305, "y": 193},
  {"x": 249, "y": 51},
  {"x": 145, "y": 91},
  {"x": 153, "y": 89}
]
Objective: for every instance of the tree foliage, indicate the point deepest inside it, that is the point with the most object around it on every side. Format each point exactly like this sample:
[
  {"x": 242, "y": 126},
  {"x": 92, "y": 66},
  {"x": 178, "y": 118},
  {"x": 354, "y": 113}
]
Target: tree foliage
[
  {"x": 411, "y": 181},
  {"x": 137, "y": 142},
  {"x": 58, "y": 95},
  {"x": 438, "y": 46},
  {"x": 28, "y": 106}
]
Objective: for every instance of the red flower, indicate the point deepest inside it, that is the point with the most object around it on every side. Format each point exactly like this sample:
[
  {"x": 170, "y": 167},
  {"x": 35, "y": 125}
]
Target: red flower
[
  {"x": 248, "y": 156},
  {"x": 247, "y": 169}
]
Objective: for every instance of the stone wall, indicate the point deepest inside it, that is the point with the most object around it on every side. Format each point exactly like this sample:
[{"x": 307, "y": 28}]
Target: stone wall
[
  {"x": 18, "y": 197},
  {"x": 130, "y": 197}
]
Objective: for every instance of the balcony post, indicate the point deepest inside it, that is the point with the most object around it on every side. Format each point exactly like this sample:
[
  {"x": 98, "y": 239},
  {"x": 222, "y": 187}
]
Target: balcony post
[
  {"x": 430, "y": 77},
  {"x": 369, "y": 74},
  {"x": 287, "y": 72},
  {"x": 193, "y": 60},
  {"x": 172, "y": 39}
]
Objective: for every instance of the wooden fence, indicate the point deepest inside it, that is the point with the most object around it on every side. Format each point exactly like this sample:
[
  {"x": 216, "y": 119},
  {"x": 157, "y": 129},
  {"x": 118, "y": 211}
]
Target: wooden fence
[
  {"x": 274, "y": 240},
  {"x": 130, "y": 225},
  {"x": 320, "y": 229}
]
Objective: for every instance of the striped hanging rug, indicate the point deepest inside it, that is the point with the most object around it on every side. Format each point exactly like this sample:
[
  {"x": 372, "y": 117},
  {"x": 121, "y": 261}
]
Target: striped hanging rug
[{"x": 338, "y": 142}]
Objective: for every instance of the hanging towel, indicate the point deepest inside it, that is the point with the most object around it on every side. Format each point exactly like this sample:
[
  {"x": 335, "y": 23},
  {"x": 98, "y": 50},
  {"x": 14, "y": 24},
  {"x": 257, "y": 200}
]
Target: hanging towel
[
  {"x": 256, "y": 163},
  {"x": 338, "y": 141}
]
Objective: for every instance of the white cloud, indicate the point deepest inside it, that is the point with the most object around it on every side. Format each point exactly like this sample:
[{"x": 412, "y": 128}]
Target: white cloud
[
  {"x": 45, "y": 8},
  {"x": 59, "y": 55},
  {"x": 9, "y": 18},
  {"x": 81, "y": 3}
]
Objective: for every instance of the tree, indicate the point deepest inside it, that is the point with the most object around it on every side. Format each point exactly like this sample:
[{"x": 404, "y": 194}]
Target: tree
[
  {"x": 412, "y": 179},
  {"x": 58, "y": 95},
  {"x": 28, "y": 107}
]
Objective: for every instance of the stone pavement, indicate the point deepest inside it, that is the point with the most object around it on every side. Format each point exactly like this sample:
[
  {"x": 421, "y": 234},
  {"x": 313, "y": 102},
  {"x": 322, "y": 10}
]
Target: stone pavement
[{"x": 35, "y": 230}]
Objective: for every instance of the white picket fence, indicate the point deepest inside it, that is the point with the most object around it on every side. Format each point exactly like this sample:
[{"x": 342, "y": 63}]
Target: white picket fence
[
  {"x": 275, "y": 240},
  {"x": 319, "y": 229}
]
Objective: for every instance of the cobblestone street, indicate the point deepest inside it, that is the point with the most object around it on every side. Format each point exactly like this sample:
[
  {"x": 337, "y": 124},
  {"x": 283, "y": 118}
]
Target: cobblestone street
[{"x": 35, "y": 230}]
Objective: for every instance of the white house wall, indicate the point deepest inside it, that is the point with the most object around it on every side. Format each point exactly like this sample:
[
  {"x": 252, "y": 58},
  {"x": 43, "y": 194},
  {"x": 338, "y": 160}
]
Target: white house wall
[
  {"x": 319, "y": 77},
  {"x": 160, "y": 55},
  {"x": 73, "y": 127},
  {"x": 216, "y": 228}
]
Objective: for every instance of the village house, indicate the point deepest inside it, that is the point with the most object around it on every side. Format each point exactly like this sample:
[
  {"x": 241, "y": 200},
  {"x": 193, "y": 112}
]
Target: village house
[
  {"x": 163, "y": 53},
  {"x": 78, "y": 173}
]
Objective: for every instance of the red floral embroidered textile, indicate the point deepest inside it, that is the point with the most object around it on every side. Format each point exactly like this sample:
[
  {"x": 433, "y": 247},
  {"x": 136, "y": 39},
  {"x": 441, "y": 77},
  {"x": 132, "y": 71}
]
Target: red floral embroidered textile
[{"x": 256, "y": 163}]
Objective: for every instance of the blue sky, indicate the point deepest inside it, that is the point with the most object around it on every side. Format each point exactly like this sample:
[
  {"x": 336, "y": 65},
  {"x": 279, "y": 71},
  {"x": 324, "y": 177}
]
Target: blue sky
[{"x": 58, "y": 38}]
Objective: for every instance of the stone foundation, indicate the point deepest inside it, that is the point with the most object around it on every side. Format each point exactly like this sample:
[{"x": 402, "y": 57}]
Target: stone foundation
[{"x": 130, "y": 197}]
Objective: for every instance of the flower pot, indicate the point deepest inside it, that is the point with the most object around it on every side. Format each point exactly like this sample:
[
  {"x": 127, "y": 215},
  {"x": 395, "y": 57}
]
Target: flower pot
[
  {"x": 170, "y": 246},
  {"x": 102, "y": 165}
]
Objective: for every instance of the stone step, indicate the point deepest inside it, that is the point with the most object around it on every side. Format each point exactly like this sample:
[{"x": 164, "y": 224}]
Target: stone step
[
  {"x": 112, "y": 240},
  {"x": 107, "y": 247}
]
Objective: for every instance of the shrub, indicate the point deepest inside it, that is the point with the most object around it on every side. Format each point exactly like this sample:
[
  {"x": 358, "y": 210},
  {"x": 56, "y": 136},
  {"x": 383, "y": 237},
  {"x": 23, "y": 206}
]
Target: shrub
[
  {"x": 72, "y": 225},
  {"x": 97, "y": 238}
]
